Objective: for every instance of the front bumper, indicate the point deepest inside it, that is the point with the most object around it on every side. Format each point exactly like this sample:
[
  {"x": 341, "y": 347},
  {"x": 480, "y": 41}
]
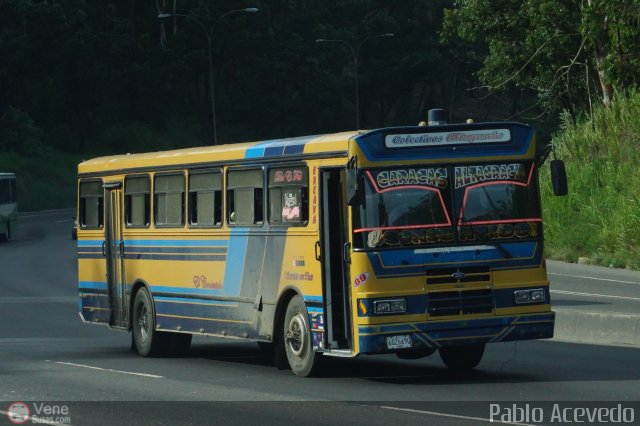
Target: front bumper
[{"x": 435, "y": 334}]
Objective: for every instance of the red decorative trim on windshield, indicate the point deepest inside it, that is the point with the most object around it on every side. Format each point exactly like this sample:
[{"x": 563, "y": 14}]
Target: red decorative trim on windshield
[
  {"x": 397, "y": 228},
  {"x": 498, "y": 182}
]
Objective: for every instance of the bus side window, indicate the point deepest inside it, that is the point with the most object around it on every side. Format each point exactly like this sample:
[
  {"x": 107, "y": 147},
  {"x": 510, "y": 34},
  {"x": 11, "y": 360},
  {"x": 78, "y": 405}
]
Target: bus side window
[
  {"x": 168, "y": 193},
  {"x": 137, "y": 201},
  {"x": 288, "y": 196},
  {"x": 245, "y": 197},
  {"x": 91, "y": 205},
  {"x": 205, "y": 199}
]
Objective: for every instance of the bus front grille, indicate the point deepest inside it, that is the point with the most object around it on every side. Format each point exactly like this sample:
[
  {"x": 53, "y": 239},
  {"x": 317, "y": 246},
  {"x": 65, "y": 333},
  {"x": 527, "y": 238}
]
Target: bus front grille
[
  {"x": 463, "y": 275},
  {"x": 460, "y": 302}
]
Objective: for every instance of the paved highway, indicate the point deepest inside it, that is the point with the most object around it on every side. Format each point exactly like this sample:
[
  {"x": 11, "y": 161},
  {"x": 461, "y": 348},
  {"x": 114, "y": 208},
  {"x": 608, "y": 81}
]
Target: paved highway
[{"x": 86, "y": 374}]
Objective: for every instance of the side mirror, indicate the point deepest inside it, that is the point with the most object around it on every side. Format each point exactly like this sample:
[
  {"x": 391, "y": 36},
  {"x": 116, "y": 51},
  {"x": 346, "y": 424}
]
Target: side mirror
[
  {"x": 559, "y": 178},
  {"x": 352, "y": 187}
]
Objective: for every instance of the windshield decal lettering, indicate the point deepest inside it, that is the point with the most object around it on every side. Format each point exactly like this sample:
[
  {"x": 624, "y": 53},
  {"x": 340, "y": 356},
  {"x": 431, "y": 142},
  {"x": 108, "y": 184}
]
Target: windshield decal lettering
[
  {"x": 499, "y": 232},
  {"x": 430, "y": 177},
  {"x": 409, "y": 237},
  {"x": 469, "y": 175}
]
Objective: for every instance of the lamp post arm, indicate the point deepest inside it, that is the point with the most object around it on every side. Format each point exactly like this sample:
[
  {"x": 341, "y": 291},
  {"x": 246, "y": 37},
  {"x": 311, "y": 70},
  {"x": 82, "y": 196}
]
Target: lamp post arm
[{"x": 215, "y": 24}]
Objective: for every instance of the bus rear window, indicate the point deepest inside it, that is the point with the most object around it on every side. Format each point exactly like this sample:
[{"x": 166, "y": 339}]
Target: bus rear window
[{"x": 91, "y": 205}]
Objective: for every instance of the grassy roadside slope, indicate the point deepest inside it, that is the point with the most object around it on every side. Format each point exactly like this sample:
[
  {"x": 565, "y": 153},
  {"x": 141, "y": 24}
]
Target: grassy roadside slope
[{"x": 600, "y": 218}]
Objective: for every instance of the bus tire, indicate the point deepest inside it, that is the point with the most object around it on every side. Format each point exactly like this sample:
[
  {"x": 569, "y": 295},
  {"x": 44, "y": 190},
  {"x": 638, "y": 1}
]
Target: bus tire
[
  {"x": 148, "y": 341},
  {"x": 297, "y": 339},
  {"x": 462, "y": 358}
]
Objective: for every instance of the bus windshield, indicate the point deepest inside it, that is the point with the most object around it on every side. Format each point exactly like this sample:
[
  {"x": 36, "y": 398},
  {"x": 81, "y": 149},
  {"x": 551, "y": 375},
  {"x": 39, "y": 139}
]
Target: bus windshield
[
  {"x": 443, "y": 205},
  {"x": 404, "y": 207}
]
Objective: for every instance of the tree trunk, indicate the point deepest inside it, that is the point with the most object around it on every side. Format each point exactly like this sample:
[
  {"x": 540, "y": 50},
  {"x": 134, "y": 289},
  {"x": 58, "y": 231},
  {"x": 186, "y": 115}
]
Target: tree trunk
[{"x": 601, "y": 45}]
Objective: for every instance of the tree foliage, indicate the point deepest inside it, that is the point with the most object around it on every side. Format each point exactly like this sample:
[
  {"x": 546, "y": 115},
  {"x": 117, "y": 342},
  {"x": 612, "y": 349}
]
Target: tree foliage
[
  {"x": 109, "y": 76},
  {"x": 106, "y": 76},
  {"x": 566, "y": 51}
]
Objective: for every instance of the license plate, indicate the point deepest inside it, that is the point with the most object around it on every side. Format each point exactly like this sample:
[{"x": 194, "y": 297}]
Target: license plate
[{"x": 399, "y": 342}]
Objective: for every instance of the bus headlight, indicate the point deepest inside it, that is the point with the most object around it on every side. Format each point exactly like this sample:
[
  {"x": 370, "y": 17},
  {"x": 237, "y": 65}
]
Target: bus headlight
[
  {"x": 535, "y": 295},
  {"x": 393, "y": 306}
]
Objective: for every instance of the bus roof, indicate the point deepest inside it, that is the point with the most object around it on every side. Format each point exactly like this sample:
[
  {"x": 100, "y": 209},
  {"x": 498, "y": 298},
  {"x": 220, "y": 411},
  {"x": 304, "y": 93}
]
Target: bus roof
[
  {"x": 330, "y": 144},
  {"x": 498, "y": 140}
]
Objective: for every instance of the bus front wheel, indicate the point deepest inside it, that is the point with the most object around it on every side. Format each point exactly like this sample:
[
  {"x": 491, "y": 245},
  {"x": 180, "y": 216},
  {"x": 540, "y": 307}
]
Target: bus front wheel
[
  {"x": 297, "y": 339},
  {"x": 461, "y": 358}
]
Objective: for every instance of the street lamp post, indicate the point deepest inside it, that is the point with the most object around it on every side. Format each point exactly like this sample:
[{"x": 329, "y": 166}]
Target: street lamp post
[
  {"x": 209, "y": 35},
  {"x": 355, "y": 53}
]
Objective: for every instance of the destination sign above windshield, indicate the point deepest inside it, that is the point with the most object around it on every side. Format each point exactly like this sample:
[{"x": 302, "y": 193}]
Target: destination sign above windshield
[{"x": 462, "y": 137}]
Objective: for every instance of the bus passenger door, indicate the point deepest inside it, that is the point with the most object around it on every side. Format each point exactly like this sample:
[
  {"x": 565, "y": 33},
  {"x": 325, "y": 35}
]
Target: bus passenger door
[
  {"x": 335, "y": 272},
  {"x": 113, "y": 250}
]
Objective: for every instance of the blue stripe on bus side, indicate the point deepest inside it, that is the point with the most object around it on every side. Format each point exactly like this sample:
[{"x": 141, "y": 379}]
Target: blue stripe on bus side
[
  {"x": 274, "y": 151},
  {"x": 210, "y": 250},
  {"x": 159, "y": 243},
  {"x": 317, "y": 299},
  {"x": 174, "y": 250},
  {"x": 279, "y": 147},
  {"x": 92, "y": 285},
  {"x": 184, "y": 300},
  {"x": 183, "y": 257},
  {"x": 176, "y": 257},
  {"x": 177, "y": 243},
  {"x": 293, "y": 149},
  {"x": 236, "y": 258}
]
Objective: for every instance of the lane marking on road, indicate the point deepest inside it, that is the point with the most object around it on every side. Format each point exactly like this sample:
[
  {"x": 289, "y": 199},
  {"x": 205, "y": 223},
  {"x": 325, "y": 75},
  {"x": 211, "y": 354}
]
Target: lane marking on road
[
  {"x": 35, "y": 419},
  {"x": 607, "y": 296},
  {"x": 593, "y": 278},
  {"x": 110, "y": 370},
  {"x": 452, "y": 416}
]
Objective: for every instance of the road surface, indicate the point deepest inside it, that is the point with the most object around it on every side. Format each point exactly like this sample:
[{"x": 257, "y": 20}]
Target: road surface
[{"x": 86, "y": 374}]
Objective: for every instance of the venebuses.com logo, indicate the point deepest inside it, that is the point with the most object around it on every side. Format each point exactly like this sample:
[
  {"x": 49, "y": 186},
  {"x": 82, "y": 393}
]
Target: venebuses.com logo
[{"x": 20, "y": 413}]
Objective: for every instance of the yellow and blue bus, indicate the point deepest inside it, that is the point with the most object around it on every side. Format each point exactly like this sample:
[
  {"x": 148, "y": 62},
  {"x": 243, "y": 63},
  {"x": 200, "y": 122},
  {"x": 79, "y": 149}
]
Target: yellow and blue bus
[
  {"x": 401, "y": 240},
  {"x": 8, "y": 205}
]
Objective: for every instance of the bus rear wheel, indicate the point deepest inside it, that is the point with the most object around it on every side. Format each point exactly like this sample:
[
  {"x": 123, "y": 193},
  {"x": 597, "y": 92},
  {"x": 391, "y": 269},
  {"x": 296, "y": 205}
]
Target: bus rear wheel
[
  {"x": 147, "y": 340},
  {"x": 297, "y": 339},
  {"x": 462, "y": 358}
]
